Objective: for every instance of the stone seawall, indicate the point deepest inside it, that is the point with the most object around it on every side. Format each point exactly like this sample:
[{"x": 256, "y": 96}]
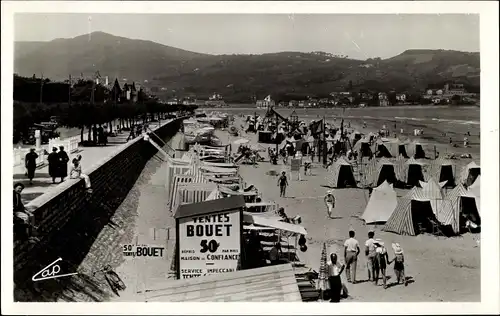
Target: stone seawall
[{"x": 70, "y": 210}]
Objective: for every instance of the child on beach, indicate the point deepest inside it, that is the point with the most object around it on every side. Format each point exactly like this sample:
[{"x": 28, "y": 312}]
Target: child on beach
[
  {"x": 399, "y": 267},
  {"x": 382, "y": 259}
]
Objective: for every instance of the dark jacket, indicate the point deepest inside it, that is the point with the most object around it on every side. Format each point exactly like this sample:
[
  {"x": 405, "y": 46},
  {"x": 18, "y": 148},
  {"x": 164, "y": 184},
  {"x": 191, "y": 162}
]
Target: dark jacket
[
  {"x": 53, "y": 164},
  {"x": 18, "y": 203},
  {"x": 30, "y": 160},
  {"x": 63, "y": 163}
]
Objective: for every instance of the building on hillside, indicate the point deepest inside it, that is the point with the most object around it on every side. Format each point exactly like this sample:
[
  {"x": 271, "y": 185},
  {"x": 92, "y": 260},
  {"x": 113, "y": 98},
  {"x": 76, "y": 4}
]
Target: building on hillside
[
  {"x": 383, "y": 100},
  {"x": 129, "y": 92},
  {"x": 293, "y": 103},
  {"x": 267, "y": 102},
  {"x": 401, "y": 97}
]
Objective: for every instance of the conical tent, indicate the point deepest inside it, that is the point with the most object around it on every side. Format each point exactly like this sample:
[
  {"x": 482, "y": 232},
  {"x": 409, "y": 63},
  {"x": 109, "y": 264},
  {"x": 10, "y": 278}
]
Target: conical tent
[
  {"x": 400, "y": 168},
  {"x": 415, "y": 149},
  {"x": 340, "y": 174},
  {"x": 441, "y": 170},
  {"x": 378, "y": 172},
  {"x": 470, "y": 173},
  {"x": 382, "y": 203},
  {"x": 413, "y": 214},
  {"x": 322, "y": 283},
  {"x": 475, "y": 190}
]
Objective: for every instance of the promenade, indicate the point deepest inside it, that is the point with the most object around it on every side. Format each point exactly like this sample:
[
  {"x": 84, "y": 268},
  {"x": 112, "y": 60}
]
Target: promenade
[{"x": 42, "y": 182}]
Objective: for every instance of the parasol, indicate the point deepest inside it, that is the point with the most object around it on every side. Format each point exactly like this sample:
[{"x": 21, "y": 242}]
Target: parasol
[{"x": 322, "y": 282}]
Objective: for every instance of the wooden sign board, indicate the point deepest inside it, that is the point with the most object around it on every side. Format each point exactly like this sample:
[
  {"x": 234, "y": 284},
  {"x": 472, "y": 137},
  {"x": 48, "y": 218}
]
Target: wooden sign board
[{"x": 209, "y": 237}]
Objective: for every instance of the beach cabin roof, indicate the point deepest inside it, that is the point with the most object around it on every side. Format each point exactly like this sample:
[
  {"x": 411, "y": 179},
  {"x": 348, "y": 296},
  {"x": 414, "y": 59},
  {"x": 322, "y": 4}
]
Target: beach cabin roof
[
  {"x": 268, "y": 284},
  {"x": 212, "y": 206},
  {"x": 258, "y": 220}
]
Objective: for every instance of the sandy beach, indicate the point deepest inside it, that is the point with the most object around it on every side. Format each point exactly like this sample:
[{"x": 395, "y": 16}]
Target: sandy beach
[{"x": 441, "y": 269}]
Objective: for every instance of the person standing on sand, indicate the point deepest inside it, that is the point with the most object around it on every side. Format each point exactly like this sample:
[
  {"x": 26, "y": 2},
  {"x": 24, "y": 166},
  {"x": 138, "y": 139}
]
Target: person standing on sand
[
  {"x": 335, "y": 269},
  {"x": 370, "y": 255},
  {"x": 329, "y": 202},
  {"x": 351, "y": 252},
  {"x": 399, "y": 264},
  {"x": 382, "y": 259},
  {"x": 282, "y": 183}
]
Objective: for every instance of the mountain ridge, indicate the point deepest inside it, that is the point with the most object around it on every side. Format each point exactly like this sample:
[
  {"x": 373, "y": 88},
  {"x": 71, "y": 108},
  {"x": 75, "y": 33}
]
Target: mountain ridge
[{"x": 243, "y": 75}]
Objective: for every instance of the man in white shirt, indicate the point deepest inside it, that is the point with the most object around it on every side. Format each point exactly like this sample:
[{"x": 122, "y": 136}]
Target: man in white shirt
[
  {"x": 351, "y": 252},
  {"x": 370, "y": 254}
]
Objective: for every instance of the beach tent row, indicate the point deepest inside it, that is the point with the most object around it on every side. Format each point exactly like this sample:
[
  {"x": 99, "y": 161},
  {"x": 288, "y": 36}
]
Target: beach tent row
[
  {"x": 389, "y": 148},
  {"x": 411, "y": 171},
  {"x": 424, "y": 209}
]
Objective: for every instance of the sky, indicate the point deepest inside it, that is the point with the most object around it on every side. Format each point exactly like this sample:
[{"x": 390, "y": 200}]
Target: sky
[{"x": 356, "y": 35}]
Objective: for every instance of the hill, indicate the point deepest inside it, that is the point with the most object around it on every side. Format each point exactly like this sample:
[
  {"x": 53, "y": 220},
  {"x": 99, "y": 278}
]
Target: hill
[{"x": 238, "y": 77}]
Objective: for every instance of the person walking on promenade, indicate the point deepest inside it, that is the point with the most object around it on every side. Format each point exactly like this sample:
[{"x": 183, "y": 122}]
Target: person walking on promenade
[
  {"x": 370, "y": 255},
  {"x": 282, "y": 183},
  {"x": 131, "y": 135},
  {"x": 23, "y": 229},
  {"x": 351, "y": 252},
  {"x": 53, "y": 164},
  {"x": 329, "y": 202},
  {"x": 100, "y": 135},
  {"x": 76, "y": 173},
  {"x": 63, "y": 163},
  {"x": 105, "y": 136},
  {"x": 94, "y": 135},
  {"x": 335, "y": 269},
  {"x": 30, "y": 163}
]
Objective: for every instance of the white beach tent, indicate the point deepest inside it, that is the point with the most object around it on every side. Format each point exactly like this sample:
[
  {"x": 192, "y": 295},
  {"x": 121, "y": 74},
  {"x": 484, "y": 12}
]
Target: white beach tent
[{"x": 382, "y": 203}]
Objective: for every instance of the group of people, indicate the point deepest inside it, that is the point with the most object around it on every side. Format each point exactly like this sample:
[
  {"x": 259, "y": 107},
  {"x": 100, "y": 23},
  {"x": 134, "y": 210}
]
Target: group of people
[
  {"x": 136, "y": 130},
  {"x": 100, "y": 135},
  {"x": 377, "y": 263},
  {"x": 58, "y": 164}
]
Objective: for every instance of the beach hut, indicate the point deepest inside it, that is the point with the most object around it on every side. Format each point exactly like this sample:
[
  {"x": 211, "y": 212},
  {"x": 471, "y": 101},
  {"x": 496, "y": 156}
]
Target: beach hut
[
  {"x": 415, "y": 149},
  {"x": 382, "y": 203},
  {"x": 475, "y": 191},
  {"x": 414, "y": 212},
  {"x": 470, "y": 173},
  {"x": 441, "y": 170},
  {"x": 457, "y": 205},
  {"x": 378, "y": 172},
  {"x": 340, "y": 174}
]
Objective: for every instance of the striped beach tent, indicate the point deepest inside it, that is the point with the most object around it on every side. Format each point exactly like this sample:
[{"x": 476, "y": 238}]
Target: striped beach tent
[
  {"x": 469, "y": 173},
  {"x": 382, "y": 203},
  {"x": 396, "y": 147},
  {"x": 400, "y": 168},
  {"x": 441, "y": 169},
  {"x": 415, "y": 149},
  {"x": 475, "y": 190},
  {"x": 414, "y": 172},
  {"x": 363, "y": 147},
  {"x": 381, "y": 149},
  {"x": 413, "y": 214},
  {"x": 378, "y": 172},
  {"x": 457, "y": 202},
  {"x": 340, "y": 174}
]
